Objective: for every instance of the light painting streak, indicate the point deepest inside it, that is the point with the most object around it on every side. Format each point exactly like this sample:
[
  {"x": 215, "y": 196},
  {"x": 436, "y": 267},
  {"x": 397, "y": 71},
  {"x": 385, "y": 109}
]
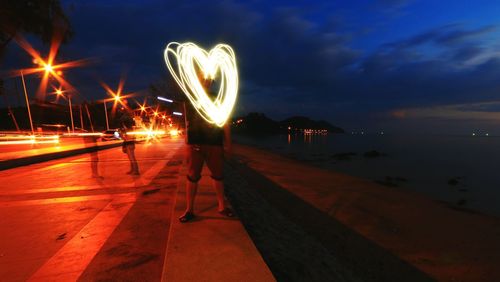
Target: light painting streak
[{"x": 220, "y": 60}]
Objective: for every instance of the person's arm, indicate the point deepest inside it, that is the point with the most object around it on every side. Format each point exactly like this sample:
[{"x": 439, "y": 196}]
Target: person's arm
[{"x": 227, "y": 138}]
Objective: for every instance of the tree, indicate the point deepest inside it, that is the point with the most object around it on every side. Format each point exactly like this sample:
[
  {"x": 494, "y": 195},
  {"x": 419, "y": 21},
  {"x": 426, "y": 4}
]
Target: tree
[{"x": 43, "y": 18}]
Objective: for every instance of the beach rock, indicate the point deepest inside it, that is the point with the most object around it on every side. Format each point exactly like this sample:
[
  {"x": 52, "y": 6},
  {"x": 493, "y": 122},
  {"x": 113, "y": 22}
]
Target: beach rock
[
  {"x": 344, "y": 156},
  {"x": 373, "y": 154},
  {"x": 453, "y": 181}
]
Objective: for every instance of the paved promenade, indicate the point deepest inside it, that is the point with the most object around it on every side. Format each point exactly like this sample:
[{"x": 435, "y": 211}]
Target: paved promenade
[{"x": 58, "y": 223}]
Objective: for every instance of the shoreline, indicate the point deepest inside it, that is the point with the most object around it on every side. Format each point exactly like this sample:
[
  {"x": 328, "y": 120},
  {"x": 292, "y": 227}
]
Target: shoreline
[{"x": 443, "y": 242}]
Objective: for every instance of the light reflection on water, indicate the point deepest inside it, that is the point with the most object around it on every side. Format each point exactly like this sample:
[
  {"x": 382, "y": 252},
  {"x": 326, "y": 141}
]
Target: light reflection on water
[{"x": 460, "y": 170}]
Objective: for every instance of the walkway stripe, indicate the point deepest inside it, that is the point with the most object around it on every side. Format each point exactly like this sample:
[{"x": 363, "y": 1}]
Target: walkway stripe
[{"x": 72, "y": 259}]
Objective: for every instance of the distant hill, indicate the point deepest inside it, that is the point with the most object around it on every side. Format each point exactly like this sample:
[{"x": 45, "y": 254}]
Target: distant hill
[
  {"x": 259, "y": 123},
  {"x": 301, "y": 122}
]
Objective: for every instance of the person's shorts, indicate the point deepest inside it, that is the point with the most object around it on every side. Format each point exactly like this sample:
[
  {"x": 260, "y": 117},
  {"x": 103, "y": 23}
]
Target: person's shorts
[{"x": 213, "y": 155}]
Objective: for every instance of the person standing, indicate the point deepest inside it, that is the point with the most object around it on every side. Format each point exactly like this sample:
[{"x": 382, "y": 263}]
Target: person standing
[
  {"x": 127, "y": 123},
  {"x": 205, "y": 144}
]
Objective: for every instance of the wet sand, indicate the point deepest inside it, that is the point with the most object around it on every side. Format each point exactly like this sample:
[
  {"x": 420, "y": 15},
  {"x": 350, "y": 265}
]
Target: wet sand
[{"x": 372, "y": 232}]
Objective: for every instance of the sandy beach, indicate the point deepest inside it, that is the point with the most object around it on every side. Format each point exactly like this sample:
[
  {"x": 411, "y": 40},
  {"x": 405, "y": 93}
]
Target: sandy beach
[{"x": 355, "y": 229}]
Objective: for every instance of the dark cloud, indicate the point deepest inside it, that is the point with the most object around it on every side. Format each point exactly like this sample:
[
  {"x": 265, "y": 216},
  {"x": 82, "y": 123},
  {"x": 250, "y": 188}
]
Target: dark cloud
[
  {"x": 394, "y": 3},
  {"x": 448, "y": 35},
  {"x": 467, "y": 52}
]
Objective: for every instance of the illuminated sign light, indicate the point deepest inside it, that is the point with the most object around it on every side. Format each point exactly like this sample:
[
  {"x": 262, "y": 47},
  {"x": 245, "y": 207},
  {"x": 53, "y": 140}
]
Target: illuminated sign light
[
  {"x": 165, "y": 99},
  {"x": 220, "y": 60}
]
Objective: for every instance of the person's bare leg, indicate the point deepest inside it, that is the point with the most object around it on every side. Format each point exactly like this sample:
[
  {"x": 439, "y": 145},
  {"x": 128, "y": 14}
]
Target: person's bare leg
[
  {"x": 219, "y": 192},
  {"x": 191, "y": 189},
  {"x": 134, "y": 167}
]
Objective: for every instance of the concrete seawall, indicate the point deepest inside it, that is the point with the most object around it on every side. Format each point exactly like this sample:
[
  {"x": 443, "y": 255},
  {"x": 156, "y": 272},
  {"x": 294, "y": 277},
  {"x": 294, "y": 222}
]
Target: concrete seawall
[{"x": 373, "y": 232}]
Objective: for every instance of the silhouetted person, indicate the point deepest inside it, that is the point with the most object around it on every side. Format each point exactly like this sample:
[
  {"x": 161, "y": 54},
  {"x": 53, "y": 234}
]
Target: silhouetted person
[
  {"x": 128, "y": 147},
  {"x": 205, "y": 143},
  {"x": 91, "y": 142}
]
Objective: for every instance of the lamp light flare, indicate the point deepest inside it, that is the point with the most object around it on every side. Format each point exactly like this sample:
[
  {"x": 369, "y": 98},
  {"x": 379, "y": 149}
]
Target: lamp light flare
[
  {"x": 48, "y": 68},
  {"x": 220, "y": 60}
]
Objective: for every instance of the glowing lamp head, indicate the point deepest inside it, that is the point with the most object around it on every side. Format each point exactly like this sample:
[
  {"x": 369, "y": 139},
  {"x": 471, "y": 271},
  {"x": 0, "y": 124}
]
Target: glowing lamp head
[
  {"x": 48, "y": 68},
  {"x": 59, "y": 92},
  {"x": 117, "y": 98}
]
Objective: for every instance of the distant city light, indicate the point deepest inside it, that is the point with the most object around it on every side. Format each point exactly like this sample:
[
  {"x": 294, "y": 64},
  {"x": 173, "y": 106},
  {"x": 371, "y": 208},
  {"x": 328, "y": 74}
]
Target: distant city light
[{"x": 177, "y": 113}]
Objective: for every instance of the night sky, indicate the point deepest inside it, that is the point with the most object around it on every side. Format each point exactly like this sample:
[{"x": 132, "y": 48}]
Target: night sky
[{"x": 391, "y": 65}]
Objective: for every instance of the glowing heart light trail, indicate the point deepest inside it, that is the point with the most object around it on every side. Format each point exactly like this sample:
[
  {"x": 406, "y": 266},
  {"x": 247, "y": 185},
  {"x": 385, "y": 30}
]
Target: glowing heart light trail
[{"x": 220, "y": 60}]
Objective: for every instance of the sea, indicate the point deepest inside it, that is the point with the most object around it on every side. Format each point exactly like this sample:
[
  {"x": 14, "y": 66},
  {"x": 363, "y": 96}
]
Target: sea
[{"x": 460, "y": 171}]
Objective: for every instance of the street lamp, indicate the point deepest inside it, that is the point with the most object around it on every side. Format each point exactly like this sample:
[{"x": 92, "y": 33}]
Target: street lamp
[
  {"x": 116, "y": 96},
  {"x": 27, "y": 104},
  {"x": 60, "y": 93},
  {"x": 106, "y": 114}
]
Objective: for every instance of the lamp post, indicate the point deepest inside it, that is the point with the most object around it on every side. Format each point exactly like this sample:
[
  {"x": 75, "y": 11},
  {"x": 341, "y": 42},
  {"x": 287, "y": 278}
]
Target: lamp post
[
  {"x": 27, "y": 104},
  {"x": 71, "y": 115},
  {"x": 106, "y": 114},
  {"x": 59, "y": 92}
]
